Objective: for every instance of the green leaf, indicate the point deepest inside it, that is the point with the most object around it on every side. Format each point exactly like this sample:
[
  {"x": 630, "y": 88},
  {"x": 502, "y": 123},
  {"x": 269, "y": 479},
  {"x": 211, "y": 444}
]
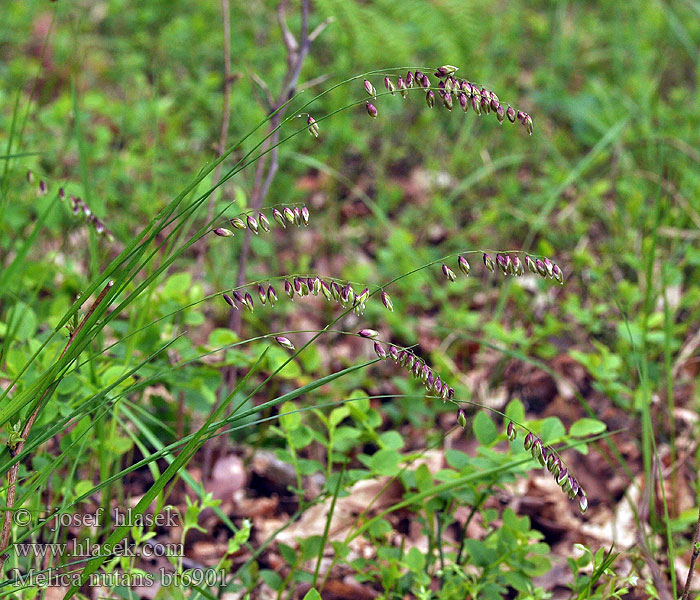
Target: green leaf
[
  {"x": 300, "y": 437},
  {"x": 288, "y": 553},
  {"x": 424, "y": 480},
  {"x": 586, "y": 426},
  {"x": 118, "y": 445},
  {"x": 240, "y": 537},
  {"x": 552, "y": 430},
  {"x": 276, "y": 357},
  {"x": 515, "y": 411},
  {"x": 359, "y": 405},
  {"x": 312, "y": 594},
  {"x": 271, "y": 578},
  {"x": 415, "y": 560},
  {"x": 22, "y": 321},
  {"x": 484, "y": 428},
  {"x": 221, "y": 337},
  {"x": 310, "y": 547},
  {"x": 480, "y": 553},
  {"x": 290, "y": 417},
  {"x": 385, "y": 462},
  {"x": 457, "y": 458},
  {"x": 338, "y": 414},
  {"x": 391, "y": 440},
  {"x": 83, "y": 486},
  {"x": 177, "y": 286}
]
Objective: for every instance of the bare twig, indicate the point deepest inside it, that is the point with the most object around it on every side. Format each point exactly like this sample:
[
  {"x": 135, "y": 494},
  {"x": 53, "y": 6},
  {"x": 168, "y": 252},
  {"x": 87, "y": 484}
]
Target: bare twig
[
  {"x": 267, "y": 167},
  {"x": 693, "y": 560},
  {"x": 12, "y": 473},
  {"x": 226, "y": 112},
  {"x": 297, "y": 50},
  {"x": 657, "y": 575},
  {"x": 269, "y": 99},
  {"x": 318, "y": 30}
]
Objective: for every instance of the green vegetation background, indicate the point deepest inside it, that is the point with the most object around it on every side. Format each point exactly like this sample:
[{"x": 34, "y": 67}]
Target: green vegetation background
[{"x": 128, "y": 107}]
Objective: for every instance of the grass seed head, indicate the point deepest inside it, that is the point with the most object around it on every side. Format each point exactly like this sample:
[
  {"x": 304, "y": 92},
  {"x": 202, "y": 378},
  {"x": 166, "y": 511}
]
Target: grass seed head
[
  {"x": 563, "y": 476},
  {"x": 557, "y": 274},
  {"x": 379, "y": 350},
  {"x": 461, "y": 419},
  {"x": 279, "y": 217},
  {"x": 582, "y": 501},
  {"x": 448, "y": 273},
  {"x": 430, "y": 382},
  {"x": 463, "y": 101},
  {"x": 326, "y": 291},
  {"x": 238, "y": 223},
  {"x": 368, "y": 333},
  {"x": 223, "y": 232},
  {"x": 447, "y": 100},
  {"x": 285, "y": 342},
  {"x": 386, "y": 301},
  {"x": 500, "y": 112},
  {"x": 541, "y": 268},
  {"x": 313, "y": 126},
  {"x": 389, "y": 85},
  {"x": 402, "y": 87},
  {"x": 252, "y": 224},
  {"x": 371, "y": 110},
  {"x": 249, "y": 302}
]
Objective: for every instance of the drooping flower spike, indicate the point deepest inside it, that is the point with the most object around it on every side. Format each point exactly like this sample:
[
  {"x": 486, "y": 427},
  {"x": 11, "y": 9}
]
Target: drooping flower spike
[
  {"x": 343, "y": 293},
  {"x": 259, "y": 221},
  {"x": 508, "y": 264},
  {"x": 548, "y": 458},
  {"x": 77, "y": 205},
  {"x": 453, "y": 89}
]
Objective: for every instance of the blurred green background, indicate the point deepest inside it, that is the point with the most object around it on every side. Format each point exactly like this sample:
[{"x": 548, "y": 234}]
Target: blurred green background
[
  {"x": 128, "y": 104},
  {"x": 126, "y": 108}
]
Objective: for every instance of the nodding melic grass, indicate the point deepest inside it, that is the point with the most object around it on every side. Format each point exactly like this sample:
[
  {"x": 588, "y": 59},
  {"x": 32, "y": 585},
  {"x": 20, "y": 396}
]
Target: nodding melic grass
[
  {"x": 135, "y": 272},
  {"x": 360, "y": 336}
]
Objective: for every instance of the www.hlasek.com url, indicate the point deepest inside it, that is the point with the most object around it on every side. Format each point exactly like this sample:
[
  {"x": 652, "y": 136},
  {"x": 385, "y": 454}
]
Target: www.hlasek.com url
[{"x": 91, "y": 549}]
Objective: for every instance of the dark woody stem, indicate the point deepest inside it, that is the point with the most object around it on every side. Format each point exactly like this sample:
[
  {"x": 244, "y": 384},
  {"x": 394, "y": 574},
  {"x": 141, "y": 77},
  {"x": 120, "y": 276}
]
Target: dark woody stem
[{"x": 693, "y": 560}]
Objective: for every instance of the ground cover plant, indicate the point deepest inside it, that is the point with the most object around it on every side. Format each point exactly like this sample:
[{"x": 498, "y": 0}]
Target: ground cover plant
[{"x": 291, "y": 307}]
